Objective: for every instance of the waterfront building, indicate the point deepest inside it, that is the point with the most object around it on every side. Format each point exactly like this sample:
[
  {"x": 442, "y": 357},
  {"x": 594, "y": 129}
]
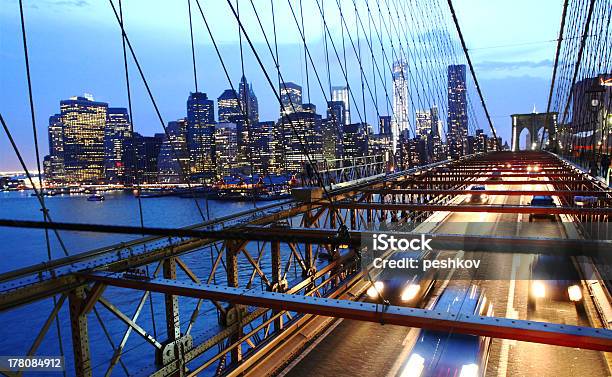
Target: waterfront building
[
  {"x": 200, "y": 135},
  {"x": 226, "y": 148},
  {"x": 173, "y": 158},
  {"x": 84, "y": 122},
  {"x": 116, "y": 132},
  {"x": 54, "y": 162},
  {"x": 141, "y": 156}
]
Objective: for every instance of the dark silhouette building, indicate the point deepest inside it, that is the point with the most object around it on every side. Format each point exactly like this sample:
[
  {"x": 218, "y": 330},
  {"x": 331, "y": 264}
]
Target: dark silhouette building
[
  {"x": 457, "y": 111},
  {"x": 200, "y": 135}
]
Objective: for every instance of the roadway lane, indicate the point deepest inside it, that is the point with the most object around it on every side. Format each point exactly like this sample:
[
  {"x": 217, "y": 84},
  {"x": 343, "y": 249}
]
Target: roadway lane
[
  {"x": 365, "y": 349},
  {"x": 530, "y": 359},
  {"x": 509, "y": 298}
]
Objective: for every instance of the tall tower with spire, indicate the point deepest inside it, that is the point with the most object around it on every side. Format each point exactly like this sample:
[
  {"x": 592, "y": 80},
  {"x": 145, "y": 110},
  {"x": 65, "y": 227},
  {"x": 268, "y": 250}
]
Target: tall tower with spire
[
  {"x": 248, "y": 100},
  {"x": 246, "y": 123}
]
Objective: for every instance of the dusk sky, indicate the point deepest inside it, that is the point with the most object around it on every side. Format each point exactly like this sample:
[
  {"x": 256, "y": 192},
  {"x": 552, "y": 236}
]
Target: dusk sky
[{"x": 75, "y": 48}]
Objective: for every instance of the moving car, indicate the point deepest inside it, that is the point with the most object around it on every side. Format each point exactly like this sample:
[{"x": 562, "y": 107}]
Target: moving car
[
  {"x": 403, "y": 287},
  {"x": 438, "y": 353},
  {"x": 496, "y": 175},
  {"x": 554, "y": 278},
  {"x": 585, "y": 201},
  {"x": 533, "y": 169},
  {"x": 542, "y": 201},
  {"x": 477, "y": 198}
]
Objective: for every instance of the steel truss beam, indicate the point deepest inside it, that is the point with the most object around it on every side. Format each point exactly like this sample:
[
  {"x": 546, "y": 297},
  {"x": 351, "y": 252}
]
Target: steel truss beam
[
  {"x": 564, "y": 193},
  {"x": 503, "y": 328},
  {"x": 355, "y": 238},
  {"x": 448, "y": 180},
  {"x": 459, "y": 173},
  {"x": 490, "y": 208}
]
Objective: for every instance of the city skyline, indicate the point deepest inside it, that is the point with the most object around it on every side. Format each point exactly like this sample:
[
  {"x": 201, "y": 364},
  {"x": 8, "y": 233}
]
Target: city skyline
[
  {"x": 82, "y": 79},
  {"x": 91, "y": 141}
]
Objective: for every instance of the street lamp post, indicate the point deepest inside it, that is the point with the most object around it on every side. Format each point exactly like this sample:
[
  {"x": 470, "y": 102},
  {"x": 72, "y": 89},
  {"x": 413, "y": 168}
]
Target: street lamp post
[{"x": 594, "y": 95}]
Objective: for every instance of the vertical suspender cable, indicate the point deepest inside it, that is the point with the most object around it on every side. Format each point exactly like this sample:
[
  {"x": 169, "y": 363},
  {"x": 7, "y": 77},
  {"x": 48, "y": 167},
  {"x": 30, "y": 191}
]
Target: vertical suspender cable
[
  {"x": 467, "y": 55},
  {"x": 35, "y": 135},
  {"x": 554, "y": 73}
]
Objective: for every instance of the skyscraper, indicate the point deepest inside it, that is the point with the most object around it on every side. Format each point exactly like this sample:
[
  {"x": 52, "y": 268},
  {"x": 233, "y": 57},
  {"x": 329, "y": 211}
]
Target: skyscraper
[
  {"x": 336, "y": 113},
  {"x": 457, "y": 111},
  {"x": 436, "y": 123},
  {"x": 84, "y": 122},
  {"x": 341, "y": 93},
  {"x": 291, "y": 98},
  {"x": 173, "y": 158},
  {"x": 354, "y": 140},
  {"x": 262, "y": 147},
  {"x": 245, "y": 126},
  {"x": 333, "y": 129},
  {"x": 226, "y": 147},
  {"x": 384, "y": 125},
  {"x": 200, "y": 134},
  {"x": 141, "y": 156},
  {"x": 423, "y": 123},
  {"x": 117, "y": 131},
  {"x": 399, "y": 122},
  {"x": 438, "y": 151},
  {"x": 248, "y": 100},
  {"x": 301, "y": 130},
  {"x": 56, "y": 149},
  {"x": 481, "y": 142},
  {"x": 228, "y": 106}
]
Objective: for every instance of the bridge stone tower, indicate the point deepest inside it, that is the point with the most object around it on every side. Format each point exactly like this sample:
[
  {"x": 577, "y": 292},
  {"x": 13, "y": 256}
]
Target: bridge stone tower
[{"x": 534, "y": 122}]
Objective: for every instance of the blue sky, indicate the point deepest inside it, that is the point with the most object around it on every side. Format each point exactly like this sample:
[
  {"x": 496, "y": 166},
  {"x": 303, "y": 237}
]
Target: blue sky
[{"x": 75, "y": 48}]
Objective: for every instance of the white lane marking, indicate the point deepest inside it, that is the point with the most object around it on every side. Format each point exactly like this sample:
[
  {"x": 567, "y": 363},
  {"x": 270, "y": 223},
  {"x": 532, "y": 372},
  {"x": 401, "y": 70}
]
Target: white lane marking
[{"x": 502, "y": 369}]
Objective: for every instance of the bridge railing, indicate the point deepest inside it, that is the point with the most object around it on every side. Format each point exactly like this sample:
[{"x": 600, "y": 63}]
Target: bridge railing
[
  {"x": 344, "y": 170},
  {"x": 592, "y": 226}
]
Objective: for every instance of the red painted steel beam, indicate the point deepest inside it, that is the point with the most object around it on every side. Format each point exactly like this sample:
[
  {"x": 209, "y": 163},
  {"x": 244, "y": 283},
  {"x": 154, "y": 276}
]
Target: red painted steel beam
[
  {"x": 515, "y": 169},
  {"x": 470, "y": 182},
  {"x": 503, "y": 328},
  {"x": 475, "y": 208},
  {"x": 328, "y": 236},
  {"x": 460, "y": 174},
  {"x": 564, "y": 193}
]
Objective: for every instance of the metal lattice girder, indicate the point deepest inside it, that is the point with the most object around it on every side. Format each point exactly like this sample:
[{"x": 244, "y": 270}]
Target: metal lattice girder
[
  {"x": 503, "y": 328},
  {"x": 486, "y": 243},
  {"x": 542, "y": 210},
  {"x": 481, "y": 174},
  {"x": 564, "y": 193},
  {"x": 445, "y": 180}
]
